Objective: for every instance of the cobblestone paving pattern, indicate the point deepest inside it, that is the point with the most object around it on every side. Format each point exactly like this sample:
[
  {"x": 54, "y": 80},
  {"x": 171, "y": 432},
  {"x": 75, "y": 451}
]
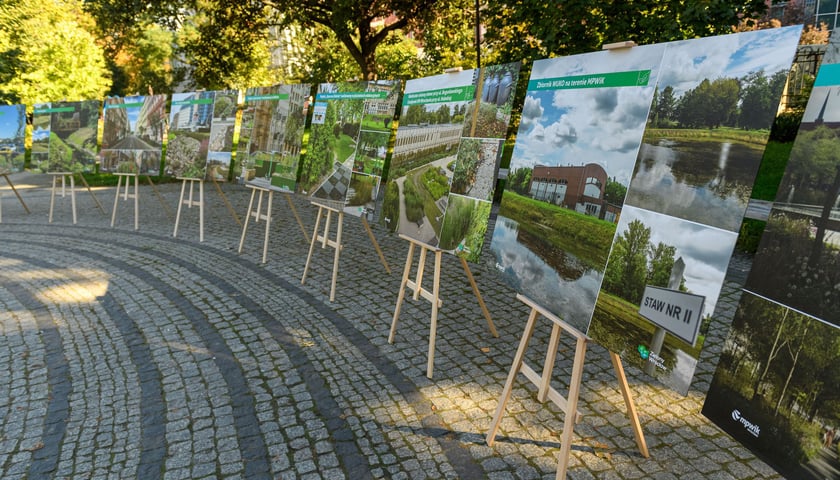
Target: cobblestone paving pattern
[{"x": 133, "y": 354}]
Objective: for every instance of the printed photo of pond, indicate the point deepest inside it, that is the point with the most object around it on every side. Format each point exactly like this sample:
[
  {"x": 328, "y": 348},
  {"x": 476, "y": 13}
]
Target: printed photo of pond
[
  {"x": 706, "y": 181},
  {"x": 569, "y": 172}
]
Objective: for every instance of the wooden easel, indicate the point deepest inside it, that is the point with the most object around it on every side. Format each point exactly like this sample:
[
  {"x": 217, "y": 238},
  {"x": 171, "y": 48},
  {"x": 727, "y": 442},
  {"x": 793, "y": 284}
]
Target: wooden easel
[
  {"x": 433, "y": 297},
  {"x": 543, "y": 383},
  {"x": 12, "y": 185},
  {"x": 126, "y": 196},
  {"x": 336, "y": 244},
  {"x": 258, "y": 215},
  {"x": 191, "y": 203},
  {"x": 64, "y": 176}
]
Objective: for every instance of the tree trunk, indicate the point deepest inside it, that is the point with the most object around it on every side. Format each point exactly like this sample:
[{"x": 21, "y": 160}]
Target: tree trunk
[
  {"x": 774, "y": 350},
  {"x": 792, "y": 368}
]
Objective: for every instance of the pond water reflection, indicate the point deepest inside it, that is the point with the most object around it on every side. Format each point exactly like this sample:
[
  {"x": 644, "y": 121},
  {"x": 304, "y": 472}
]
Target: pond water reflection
[
  {"x": 708, "y": 182},
  {"x": 563, "y": 284}
]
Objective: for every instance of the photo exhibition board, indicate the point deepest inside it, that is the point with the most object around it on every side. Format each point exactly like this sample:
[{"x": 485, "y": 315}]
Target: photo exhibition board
[
  {"x": 64, "y": 136},
  {"x": 271, "y": 135},
  {"x": 631, "y": 244},
  {"x": 582, "y": 123},
  {"x": 132, "y": 136},
  {"x": 777, "y": 384},
  {"x": 352, "y": 125},
  {"x": 12, "y": 134},
  {"x": 715, "y": 102},
  {"x": 200, "y": 139},
  {"x": 447, "y": 151}
]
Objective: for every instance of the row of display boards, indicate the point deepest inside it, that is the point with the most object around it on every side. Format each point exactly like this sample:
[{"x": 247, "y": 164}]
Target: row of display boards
[{"x": 629, "y": 179}]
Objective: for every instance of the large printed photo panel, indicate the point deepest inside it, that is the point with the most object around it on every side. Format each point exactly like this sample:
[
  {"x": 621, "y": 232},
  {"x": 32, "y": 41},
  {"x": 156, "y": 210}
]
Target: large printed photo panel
[
  {"x": 695, "y": 172},
  {"x": 271, "y": 135},
  {"x": 352, "y": 124},
  {"x": 12, "y": 134},
  {"x": 132, "y": 138},
  {"x": 581, "y": 127}
]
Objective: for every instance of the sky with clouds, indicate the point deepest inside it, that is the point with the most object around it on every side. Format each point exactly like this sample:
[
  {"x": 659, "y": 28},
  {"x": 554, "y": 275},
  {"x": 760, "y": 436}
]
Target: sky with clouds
[
  {"x": 590, "y": 125},
  {"x": 10, "y": 119},
  {"x": 705, "y": 250}
]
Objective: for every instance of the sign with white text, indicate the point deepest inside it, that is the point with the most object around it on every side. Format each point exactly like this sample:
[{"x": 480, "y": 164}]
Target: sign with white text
[{"x": 677, "y": 312}]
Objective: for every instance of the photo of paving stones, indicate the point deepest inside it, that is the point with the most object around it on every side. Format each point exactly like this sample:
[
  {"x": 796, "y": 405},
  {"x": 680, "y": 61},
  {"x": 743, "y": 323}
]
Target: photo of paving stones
[{"x": 133, "y": 354}]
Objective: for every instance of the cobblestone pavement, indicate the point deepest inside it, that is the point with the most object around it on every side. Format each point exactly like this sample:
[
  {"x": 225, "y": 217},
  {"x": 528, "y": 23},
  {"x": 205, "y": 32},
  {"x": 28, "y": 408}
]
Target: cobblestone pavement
[{"x": 133, "y": 354}]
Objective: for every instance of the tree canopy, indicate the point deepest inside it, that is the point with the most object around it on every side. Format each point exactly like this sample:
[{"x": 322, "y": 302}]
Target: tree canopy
[{"x": 48, "y": 54}]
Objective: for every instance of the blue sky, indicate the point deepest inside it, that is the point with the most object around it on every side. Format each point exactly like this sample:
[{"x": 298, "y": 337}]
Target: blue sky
[
  {"x": 593, "y": 125},
  {"x": 9, "y": 121}
]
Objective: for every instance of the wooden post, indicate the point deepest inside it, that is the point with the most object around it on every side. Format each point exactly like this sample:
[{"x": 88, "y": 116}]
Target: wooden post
[
  {"x": 325, "y": 241},
  {"x": 297, "y": 217},
  {"x": 375, "y": 244},
  {"x": 477, "y": 294},
  {"x": 12, "y": 185},
  {"x": 191, "y": 203},
  {"x": 225, "y": 200},
  {"x": 543, "y": 382},
  {"x": 416, "y": 286},
  {"x": 96, "y": 200},
  {"x": 63, "y": 176}
]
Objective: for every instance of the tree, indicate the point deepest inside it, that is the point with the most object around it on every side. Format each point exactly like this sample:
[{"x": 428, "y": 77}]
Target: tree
[
  {"x": 666, "y": 106},
  {"x": 661, "y": 264},
  {"x": 360, "y": 26},
  {"x": 147, "y": 63},
  {"x": 627, "y": 267},
  {"x": 614, "y": 192},
  {"x": 46, "y": 54},
  {"x": 533, "y": 29}
]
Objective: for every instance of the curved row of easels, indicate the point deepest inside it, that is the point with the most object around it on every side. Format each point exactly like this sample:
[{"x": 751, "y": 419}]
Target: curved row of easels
[{"x": 333, "y": 219}]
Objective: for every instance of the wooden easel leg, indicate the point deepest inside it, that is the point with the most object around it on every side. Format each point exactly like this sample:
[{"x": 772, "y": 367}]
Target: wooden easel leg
[
  {"x": 20, "y": 199},
  {"x": 247, "y": 217},
  {"x": 259, "y": 207},
  {"x": 95, "y": 200},
  {"x": 401, "y": 296},
  {"x": 225, "y": 200},
  {"x": 430, "y": 365},
  {"x": 418, "y": 280},
  {"x": 632, "y": 415},
  {"x": 326, "y": 236},
  {"x": 180, "y": 205},
  {"x": 52, "y": 197},
  {"x": 157, "y": 193},
  {"x": 137, "y": 200},
  {"x": 297, "y": 217},
  {"x": 548, "y": 366},
  {"x": 514, "y": 370},
  {"x": 480, "y": 299},
  {"x": 116, "y": 200},
  {"x": 267, "y": 225},
  {"x": 312, "y": 244},
  {"x": 201, "y": 210},
  {"x": 375, "y": 244},
  {"x": 337, "y": 254},
  {"x": 571, "y": 411},
  {"x": 73, "y": 197}
]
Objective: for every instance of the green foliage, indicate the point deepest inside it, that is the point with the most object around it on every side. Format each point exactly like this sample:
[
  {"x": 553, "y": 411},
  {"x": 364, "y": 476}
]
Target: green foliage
[
  {"x": 750, "y": 235},
  {"x": 786, "y": 125},
  {"x": 435, "y": 182},
  {"x": 586, "y": 237},
  {"x": 515, "y": 32},
  {"x": 519, "y": 179},
  {"x": 413, "y": 201},
  {"x": 363, "y": 187},
  {"x": 614, "y": 192},
  {"x": 771, "y": 170},
  {"x": 47, "y": 54},
  {"x": 627, "y": 269},
  {"x": 391, "y": 206},
  {"x": 464, "y": 227}
]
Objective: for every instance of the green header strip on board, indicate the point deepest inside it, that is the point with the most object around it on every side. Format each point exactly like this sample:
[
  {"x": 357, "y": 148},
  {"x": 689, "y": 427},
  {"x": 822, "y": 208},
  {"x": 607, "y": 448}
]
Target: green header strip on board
[
  {"x": 198, "y": 101},
  {"x": 39, "y": 111},
  {"x": 352, "y": 96},
  {"x": 268, "y": 96},
  {"x": 123, "y": 105},
  {"x": 633, "y": 78},
  {"x": 828, "y": 75},
  {"x": 443, "y": 95}
]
